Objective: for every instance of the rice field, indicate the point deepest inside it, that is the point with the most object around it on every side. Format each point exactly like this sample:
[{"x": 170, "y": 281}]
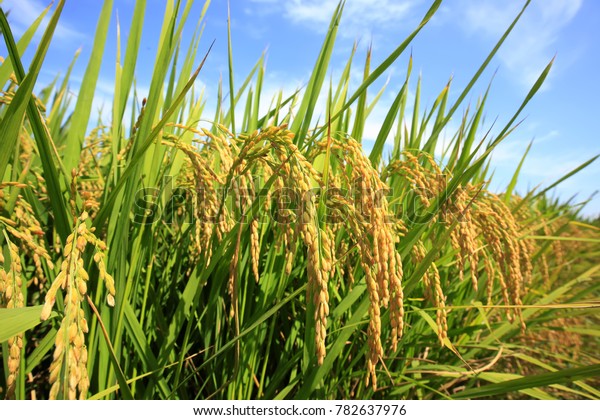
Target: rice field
[{"x": 148, "y": 256}]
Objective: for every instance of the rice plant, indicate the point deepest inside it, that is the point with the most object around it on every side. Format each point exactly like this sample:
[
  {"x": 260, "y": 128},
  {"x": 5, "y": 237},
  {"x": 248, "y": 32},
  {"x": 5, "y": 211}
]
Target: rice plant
[{"x": 155, "y": 257}]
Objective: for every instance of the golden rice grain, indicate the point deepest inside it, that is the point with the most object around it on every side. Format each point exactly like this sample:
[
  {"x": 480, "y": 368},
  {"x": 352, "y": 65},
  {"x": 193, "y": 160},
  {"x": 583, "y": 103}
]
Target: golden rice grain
[
  {"x": 11, "y": 296},
  {"x": 70, "y": 354},
  {"x": 255, "y": 247}
]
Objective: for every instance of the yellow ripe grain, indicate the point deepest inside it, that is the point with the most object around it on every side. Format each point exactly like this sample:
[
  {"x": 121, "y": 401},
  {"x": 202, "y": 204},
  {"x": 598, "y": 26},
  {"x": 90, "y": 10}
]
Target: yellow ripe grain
[
  {"x": 82, "y": 286},
  {"x": 54, "y": 372},
  {"x": 69, "y": 352},
  {"x": 14, "y": 351},
  {"x": 47, "y": 309},
  {"x": 72, "y": 332},
  {"x": 255, "y": 247},
  {"x": 13, "y": 365}
]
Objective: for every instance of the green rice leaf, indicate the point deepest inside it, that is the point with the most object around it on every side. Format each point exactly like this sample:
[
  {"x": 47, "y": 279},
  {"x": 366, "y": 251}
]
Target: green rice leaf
[
  {"x": 15, "y": 321},
  {"x": 83, "y": 107},
  {"x": 531, "y": 381}
]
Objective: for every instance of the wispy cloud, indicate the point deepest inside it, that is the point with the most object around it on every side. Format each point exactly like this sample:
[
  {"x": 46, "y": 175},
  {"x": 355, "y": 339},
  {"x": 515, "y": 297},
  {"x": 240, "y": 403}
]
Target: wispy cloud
[
  {"x": 533, "y": 41},
  {"x": 24, "y": 12},
  {"x": 360, "y": 17},
  {"x": 542, "y": 169}
]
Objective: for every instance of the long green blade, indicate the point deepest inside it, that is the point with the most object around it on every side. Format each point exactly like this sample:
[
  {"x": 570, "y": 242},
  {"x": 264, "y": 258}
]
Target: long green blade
[
  {"x": 83, "y": 107},
  {"x": 15, "y": 321},
  {"x": 531, "y": 381},
  {"x": 11, "y": 123}
]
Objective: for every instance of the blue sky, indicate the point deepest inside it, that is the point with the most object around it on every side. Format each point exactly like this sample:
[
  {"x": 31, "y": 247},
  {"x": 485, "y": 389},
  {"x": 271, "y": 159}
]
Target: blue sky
[{"x": 562, "y": 119}]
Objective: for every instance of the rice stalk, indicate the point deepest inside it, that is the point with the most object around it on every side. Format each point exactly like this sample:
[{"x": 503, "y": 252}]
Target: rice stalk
[{"x": 68, "y": 371}]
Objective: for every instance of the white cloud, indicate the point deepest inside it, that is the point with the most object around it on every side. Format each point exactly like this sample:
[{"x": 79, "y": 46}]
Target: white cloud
[
  {"x": 359, "y": 18},
  {"x": 532, "y": 43},
  {"x": 24, "y": 12},
  {"x": 552, "y": 134},
  {"x": 542, "y": 169},
  {"x": 528, "y": 49}
]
